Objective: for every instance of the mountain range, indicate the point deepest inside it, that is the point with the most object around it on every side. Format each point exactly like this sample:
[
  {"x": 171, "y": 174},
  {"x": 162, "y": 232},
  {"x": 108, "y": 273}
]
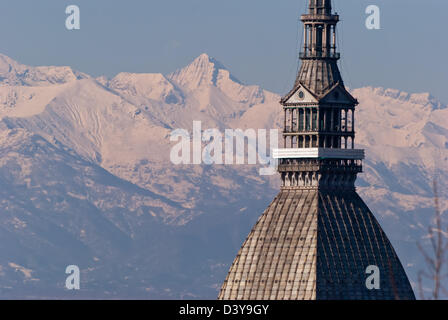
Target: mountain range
[{"x": 86, "y": 178}]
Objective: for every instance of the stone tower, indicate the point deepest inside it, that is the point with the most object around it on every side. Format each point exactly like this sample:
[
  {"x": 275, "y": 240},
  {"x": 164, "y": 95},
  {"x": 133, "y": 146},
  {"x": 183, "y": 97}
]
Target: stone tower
[{"x": 317, "y": 239}]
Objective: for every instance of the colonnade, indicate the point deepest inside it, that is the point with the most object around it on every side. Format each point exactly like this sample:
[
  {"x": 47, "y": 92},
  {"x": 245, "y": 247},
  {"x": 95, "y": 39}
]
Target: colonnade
[{"x": 312, "y": 127}]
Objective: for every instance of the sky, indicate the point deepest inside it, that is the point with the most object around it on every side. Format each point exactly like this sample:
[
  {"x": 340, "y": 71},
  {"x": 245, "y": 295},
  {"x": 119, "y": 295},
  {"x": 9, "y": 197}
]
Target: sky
[{"x": 257, "y": 40}]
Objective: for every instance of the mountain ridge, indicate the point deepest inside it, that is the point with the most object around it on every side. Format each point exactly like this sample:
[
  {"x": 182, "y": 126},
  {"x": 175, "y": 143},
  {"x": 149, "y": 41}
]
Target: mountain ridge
[
  {"x": 14, "y": 73},
  {"x": 122, "y": 126}
]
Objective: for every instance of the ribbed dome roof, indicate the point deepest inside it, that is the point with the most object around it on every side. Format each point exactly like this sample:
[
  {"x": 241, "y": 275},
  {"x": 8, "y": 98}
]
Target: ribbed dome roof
[{"x": 315, "y": 245}]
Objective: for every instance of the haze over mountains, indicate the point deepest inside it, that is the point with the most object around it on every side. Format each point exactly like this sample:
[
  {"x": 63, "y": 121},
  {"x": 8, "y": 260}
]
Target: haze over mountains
[{"x": 86, "y": 178}]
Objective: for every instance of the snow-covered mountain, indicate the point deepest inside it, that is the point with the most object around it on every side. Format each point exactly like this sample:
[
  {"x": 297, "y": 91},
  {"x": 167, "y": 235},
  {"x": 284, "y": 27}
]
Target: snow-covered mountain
[
  {"x": 15, "y": 74},
  {"x": 87, "y": 179}
]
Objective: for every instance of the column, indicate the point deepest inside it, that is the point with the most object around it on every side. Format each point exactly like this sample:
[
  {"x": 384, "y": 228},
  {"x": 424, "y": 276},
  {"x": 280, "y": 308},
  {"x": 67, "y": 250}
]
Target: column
[
  {"x": 334, "y": 38},
  {"x": 353, "y": 120},
  {"x": 284, "y": 136},
  {"x": 304, "y": 119},
  {"x": 310, "y": 45},
  {"x": 306, "y": 39},
  {"x": 294, "y": 123},
  {"x": 330, "y": 45},
  {"x": 286, "y": 116},
  {"x": 309, "y": 122},
  {"x": 340, "y": 119},
  {"x": 325, "y": 120},
  {"x": 291, "y": 112},
  {"x": 311, "y": 119},
  {"x": 324, "y": 39},
  {"x": 346, "y": 120},
  {"x": 314, "y": 37},
  {"x": 332, "y": 120}
]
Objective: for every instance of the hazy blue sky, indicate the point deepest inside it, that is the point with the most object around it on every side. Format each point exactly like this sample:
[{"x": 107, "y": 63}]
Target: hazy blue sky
[{"x": 258, "y": 40}]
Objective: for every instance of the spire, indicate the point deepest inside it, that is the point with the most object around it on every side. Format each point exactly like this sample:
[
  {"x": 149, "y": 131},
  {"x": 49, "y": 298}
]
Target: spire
[
  {"x": 315, "y": 239},
  {"x": 319, "y": 71},
  {"x": 320, "y": 7},
  {"x": 320, "y": 31},
  {"x": 319, "y": 111}
]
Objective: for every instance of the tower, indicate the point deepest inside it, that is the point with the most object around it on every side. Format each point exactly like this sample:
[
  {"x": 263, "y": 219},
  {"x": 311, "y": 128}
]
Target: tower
[{"x": 317, "y": 240}]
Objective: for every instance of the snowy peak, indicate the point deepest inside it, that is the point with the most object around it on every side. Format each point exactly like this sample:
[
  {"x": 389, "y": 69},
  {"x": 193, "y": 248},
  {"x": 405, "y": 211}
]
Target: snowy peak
[
  {"x": 13, "y": 73},
  {"x": 152, "y": 86},
  {"x": 206, "y": 73},
  {"x": 203, "y": 71}
]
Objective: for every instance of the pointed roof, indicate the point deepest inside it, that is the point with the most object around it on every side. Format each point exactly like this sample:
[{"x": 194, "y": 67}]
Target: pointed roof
[
  {"x": 315, "y": 245},
  {"x": 294, "y": 90},
  {"x": 342, "y": 93},
  {"x": 335, "y": 94},
  {"x": 319, "y": 75},
  {"x": 319, "y": 69}
]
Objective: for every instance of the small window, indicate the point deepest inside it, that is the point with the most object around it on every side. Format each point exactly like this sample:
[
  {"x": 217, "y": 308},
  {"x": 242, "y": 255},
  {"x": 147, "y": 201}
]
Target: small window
[{"x": 301, "y": 95}]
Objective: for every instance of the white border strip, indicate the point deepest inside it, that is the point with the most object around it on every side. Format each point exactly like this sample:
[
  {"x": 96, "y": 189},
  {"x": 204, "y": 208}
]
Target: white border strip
[{"x": 315, "y": 153}]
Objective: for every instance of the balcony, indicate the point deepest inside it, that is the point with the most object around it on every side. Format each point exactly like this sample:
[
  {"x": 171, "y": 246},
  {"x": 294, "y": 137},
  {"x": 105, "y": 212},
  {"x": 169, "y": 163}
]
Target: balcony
[
  {"x": 319, "y": 17},
  {"x": 314, "y": 130},
  {"x": 318, "y": 153},
  {"x": 320, "y": 55}
]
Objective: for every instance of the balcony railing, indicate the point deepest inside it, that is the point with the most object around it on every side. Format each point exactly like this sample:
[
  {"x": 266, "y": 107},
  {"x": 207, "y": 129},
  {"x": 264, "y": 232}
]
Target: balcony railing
[
  {"x": 319, "y": 54},
  {"x": 318, "y": 153},
  {"x": 320, "y": 17},
  {"x": 313, "y": 129}
]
